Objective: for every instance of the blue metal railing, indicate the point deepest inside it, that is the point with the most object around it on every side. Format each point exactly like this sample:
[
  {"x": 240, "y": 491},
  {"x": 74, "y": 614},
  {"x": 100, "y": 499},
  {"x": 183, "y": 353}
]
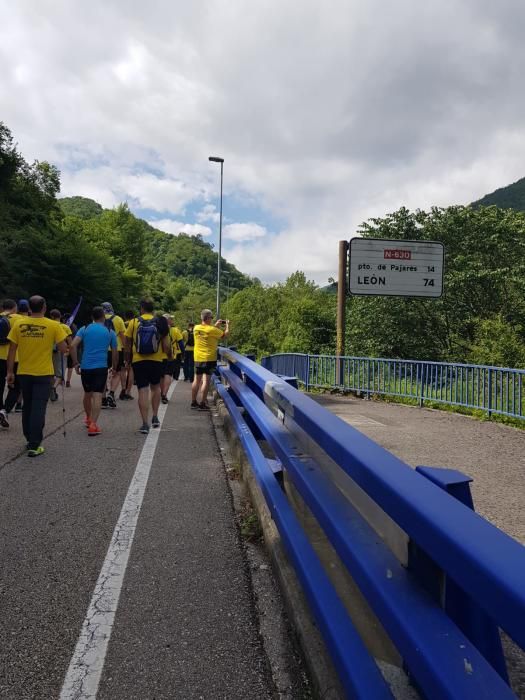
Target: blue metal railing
[
  {"x": 440, "y": 651},
  {"x": 499, "y": 390}
]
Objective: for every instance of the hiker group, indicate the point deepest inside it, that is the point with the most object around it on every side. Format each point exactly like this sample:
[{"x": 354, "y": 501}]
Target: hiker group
[{"x": 39, "y": 353}]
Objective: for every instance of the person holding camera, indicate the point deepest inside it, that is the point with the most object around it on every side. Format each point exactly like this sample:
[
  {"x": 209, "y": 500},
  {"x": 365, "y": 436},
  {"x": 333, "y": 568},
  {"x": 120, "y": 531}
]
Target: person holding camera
[{"x": 207, "y": 338}]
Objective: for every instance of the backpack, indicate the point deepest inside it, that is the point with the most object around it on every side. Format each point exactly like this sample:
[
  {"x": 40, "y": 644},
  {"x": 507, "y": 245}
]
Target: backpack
[
  {"x": 5, "y": 327},
  {"x": 148, "y": 337},
  {"x": 109, "y": 323}
]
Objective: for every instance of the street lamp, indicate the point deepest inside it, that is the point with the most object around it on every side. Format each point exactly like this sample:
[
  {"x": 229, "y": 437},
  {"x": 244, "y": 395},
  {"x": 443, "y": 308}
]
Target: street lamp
[{"x": 217, "y": 159}]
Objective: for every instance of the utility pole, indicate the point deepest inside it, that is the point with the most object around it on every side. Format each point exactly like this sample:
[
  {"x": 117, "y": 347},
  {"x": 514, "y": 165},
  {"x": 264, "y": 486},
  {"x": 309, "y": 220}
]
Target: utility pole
[{"x": 341, "y": 311}]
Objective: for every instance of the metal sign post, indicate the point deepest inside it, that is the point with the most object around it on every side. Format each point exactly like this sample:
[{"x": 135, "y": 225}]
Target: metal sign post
[
  {"x": 341, "y": 309},
  {"x": 382, "y": 267}
]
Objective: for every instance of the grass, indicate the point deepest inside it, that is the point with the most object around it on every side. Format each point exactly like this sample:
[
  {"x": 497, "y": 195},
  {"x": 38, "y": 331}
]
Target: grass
[{"x": 249, "y": 523}]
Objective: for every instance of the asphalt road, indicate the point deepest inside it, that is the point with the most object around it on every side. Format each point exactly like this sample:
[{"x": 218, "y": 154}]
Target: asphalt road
[
  {"x": 185, "y": 624},
  {"x": 491, "y": 453}
]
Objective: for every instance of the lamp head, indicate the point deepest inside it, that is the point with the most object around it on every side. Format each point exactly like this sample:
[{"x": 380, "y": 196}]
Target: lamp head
[{"x": 216, "y": 159}]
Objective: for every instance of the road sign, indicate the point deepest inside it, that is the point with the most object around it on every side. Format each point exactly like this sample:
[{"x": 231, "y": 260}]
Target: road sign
[{"x": 382, "y": 267}]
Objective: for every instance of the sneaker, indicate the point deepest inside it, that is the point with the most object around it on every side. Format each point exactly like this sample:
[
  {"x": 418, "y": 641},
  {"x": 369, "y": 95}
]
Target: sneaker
[
  {"x": 87, "y": 421},
  {"x": 144, "y": 429},
  {"x": 19, "y": 408},
  {"x": 122, "y": 396},
  {"x": 3, "y": 419},
  {"x": 54, "y": 395},
  {"x": 111, "y": 403},
  {"x": 155, "y": 422},
  {"x": 68, "y": 385},
  {"x": 104, "y": 402},
  {"x": 129, "y": 397},
  {"x": 194, "y": 405},
  {"x": 164, "y": 399},
  {"x": 36, "y": 453},
  {"x": 93, "y": 429},
  {"x": 204, "y": 407}
]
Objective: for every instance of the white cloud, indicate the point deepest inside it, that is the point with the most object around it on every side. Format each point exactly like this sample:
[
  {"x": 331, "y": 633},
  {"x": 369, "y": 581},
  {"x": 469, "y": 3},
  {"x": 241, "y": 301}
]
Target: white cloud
[
  {"x": 244, "y": 232},
  {"x": 208, "y": 213},
  {"x": 171, "y": 226},
  {"x": 325, "y": 114}
]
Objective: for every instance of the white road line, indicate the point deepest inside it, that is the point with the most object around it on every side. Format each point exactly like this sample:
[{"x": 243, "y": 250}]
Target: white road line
[{"x": 85, "y": 669}]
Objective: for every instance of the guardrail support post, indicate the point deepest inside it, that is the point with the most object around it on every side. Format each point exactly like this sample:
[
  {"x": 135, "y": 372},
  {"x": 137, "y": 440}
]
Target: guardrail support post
[
  {"x": 341, "y": 311},
  {"x": 307, "y": 378},
  {"x": 490, "y": 393},
  {"x": 469, "y": 617}
]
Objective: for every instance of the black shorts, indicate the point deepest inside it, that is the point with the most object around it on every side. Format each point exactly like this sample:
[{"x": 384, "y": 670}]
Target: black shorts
[
  {"x": 205, "y": 367},
  {"x": 94, "y": 379},
  {"x": 168, "y": 367},
  {"x": 120, "y": 361},
  {"x": 147, "y": 373}
]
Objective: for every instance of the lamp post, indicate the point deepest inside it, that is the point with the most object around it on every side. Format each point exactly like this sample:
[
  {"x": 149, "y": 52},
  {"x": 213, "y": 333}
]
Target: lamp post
[{"x": 217, "y": 159}]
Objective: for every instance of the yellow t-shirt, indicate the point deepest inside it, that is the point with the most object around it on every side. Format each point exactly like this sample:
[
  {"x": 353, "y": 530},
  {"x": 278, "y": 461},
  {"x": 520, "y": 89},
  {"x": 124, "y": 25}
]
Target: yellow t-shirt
[
  {"x": 206, "y": 342},
  {"x": 175, "y": 336},
  {"x": 119, "y": 326},
  {"x": 4, "y": 349},
  {"x": 66, "y": 329},
  {"x": 131, "y": 332},
  {"x": 185, "y": 336},
  {"x": 35, "y": 338}
]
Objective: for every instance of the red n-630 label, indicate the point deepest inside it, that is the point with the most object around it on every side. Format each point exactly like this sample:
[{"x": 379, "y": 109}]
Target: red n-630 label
[{"x": 397, "y": 254}]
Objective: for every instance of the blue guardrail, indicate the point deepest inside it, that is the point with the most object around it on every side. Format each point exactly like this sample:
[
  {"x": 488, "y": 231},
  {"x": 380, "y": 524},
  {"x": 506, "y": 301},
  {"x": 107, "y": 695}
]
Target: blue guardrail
[
  {"x": 499, "y": 390},
  {"x": 447, "y": 634}
]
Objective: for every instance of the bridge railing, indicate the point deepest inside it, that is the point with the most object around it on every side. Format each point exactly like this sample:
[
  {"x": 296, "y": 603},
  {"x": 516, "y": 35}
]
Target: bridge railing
[
  {"x": 499, "y": 390},
  {"x": 458, "y": 575}
]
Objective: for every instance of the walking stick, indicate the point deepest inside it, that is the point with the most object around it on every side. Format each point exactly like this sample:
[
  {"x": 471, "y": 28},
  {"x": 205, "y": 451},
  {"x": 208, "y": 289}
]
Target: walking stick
[{"x": 63, "y": 396}]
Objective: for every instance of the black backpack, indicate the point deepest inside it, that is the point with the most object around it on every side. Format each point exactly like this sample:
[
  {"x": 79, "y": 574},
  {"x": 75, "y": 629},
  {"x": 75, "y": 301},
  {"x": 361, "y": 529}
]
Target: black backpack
[{"x": 5, "y": 327}]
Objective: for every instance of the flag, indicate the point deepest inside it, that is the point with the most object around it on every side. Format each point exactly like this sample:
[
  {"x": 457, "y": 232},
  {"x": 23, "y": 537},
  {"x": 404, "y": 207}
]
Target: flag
[{"x": 74, "y": 313}]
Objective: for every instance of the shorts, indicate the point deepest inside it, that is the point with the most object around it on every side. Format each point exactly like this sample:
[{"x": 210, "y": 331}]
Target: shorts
[
  {"x": 120, "y": 361},
  {"x": 94, "y": 379},
  {"x": 58, "y": 364},
  {"x": 168, "y": 367},
  {"x": 147, "y": 373},
  {"x": 205, "y": 367}
]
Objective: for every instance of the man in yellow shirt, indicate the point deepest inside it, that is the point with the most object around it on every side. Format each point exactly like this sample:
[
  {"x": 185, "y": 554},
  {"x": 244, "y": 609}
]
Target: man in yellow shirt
[
  {"x": 8, "y": 316},
  {"x": 205, "y": 356},
  {"x": 171, "y": 368},
  {"x": 58, "y": 360},
  {"x": 34, "y": 339},
  {"x": 147, "y": 340},
  {"x": 115, "y": 323}
]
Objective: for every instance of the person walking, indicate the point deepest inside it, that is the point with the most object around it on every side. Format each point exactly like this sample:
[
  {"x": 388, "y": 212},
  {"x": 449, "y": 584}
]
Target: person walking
[
  {"x": 33, "y": 338},
  {"x": 93, "y": 369},
  {"x": 207, "y": 338},
  {"x": 171, "y": 368},
  {"x": 189, "y": 345},
  {"x": 58, "y": 360},
  {"x": 8, "y": 316},
  {"x": 147, "y": 339},
  {"x": 114, "y": 323}
]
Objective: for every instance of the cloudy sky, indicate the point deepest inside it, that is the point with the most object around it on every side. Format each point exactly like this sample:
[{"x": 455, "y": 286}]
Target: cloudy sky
[{"x": 326, "y": 113}]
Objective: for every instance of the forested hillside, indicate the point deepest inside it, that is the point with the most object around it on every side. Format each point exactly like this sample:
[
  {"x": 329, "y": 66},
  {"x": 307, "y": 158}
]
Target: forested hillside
[
  {"x": 73, "y": 247},
  {"x": 510, "y": 197}
]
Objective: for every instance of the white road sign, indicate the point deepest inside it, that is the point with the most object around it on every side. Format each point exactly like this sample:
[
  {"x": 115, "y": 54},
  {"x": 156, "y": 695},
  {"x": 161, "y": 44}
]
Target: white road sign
[{"x": 384, "y": 267}]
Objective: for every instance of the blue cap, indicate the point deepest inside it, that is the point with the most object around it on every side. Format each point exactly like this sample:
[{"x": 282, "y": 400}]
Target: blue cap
[{"x": 23, "y": 305}]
